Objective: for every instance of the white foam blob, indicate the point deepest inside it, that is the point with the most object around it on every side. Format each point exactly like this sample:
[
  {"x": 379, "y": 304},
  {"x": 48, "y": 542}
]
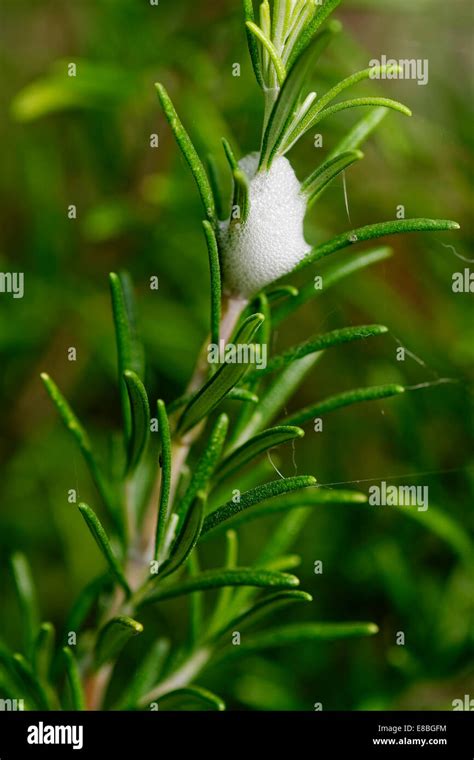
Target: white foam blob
[{"x": 271, "y": 242}]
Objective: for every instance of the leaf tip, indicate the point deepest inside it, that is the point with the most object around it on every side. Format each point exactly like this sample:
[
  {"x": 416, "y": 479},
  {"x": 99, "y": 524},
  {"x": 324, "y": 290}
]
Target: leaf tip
[
  {"x": 334, "y": 26},
  {"x": 47, "y": 381},
  {"x": 297, "y": 431},
  {"x": 292, "y": 580}
]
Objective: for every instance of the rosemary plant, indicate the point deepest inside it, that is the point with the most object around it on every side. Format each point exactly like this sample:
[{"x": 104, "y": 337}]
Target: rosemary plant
[{"x": 150, "y": 536}]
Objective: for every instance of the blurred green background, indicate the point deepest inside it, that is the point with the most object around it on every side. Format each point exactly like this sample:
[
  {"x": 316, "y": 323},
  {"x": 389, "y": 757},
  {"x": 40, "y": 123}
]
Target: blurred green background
[{"x": 87, "y": 142}]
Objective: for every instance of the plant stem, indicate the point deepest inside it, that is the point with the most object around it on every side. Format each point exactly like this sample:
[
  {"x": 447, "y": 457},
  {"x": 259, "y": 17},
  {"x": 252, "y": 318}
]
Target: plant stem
[
  {"x": 96, "y": 686},
  {"x": 269, "y": 101},
  {"x": 141, "y": 551},
  {"x": 232, "y": 308}
]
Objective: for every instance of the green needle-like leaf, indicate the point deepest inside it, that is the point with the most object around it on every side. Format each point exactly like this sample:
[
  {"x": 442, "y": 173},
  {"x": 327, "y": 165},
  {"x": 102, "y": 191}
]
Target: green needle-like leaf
[
  {"x": 299, "y": 633},
  {"x": 84, "y": 602},
  {"x": 195, "y": 602},
  {"x": 214, "y": 181},
  {"x": 140, "y": 409},
  {"x": 327, "y": 340},
  {"x": 215, "y": 274},
  {"x": 264, "y": 335},
  {"x": 255, "y": 496},
  {"x": 279, "y": 21},
  {"x": 212, "y": 579},
  {"x": 226, "y": 377},
  {"x": 129, "y": 349},
  {"x": 189, "y": 153},
  {"x": 276, "y": 396},
  {"x": 372, "y": 72},
  {"x": 11, "y": 683},
  {"x": 82, "y": 439},
  {"x": 26, "y": 594},
  {"x": 240, "y": 202},
  {"x": 395, "y": 105},
  {"x": 286, "y": 105},
  {"x": 320, "y": 115},
  {"x": 187, "y": 538},
  {"x": 235, "y": 394},
  {"x": 252, "y": 43},
  {"x": 321, "y": 13},
  {"x": 225, "y": 594},
  {"x": 270, "y": 48},
  {"x": 343, "y": 399},
  {"x": 317, "y": 182},
  {"x": 35, "y": 688},
  {"x": 165, "y": 484},
  {"x": 343, "y": 269},
  {"x": 371, "y": 231},
  {"x": 113, "y": 637},
  {"x": 206, "y": 465},
  {"x": 446, "y": 528},
  {"x": 284, "y": 536},
  {"x": 44, "y": 649},
  {"x": 230, "y": 155},
  {"x": 102, "y": 541},
  {"x": 242, "y": 394},
  {"x": 269, "y": 73},
  {"x": 74, "y": 679},
  {"x": 283, "y": 563},
  {"x": 190, "y": 698},
  {"x": 330, "y": 277},
  {"x": 255, "y": 446},
  {"x": 285, "y": 291},
  {"x": 266, "y": 606},
  {"x": 308, "y": 497},
  {"x": 312, "y": 116},
  {"x": 145, "y": 675},
  {"x": 360, "y": 131}
]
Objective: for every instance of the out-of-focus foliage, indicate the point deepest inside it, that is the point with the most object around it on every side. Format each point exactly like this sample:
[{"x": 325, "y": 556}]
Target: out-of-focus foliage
[{"x": 89, "y": 146}]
